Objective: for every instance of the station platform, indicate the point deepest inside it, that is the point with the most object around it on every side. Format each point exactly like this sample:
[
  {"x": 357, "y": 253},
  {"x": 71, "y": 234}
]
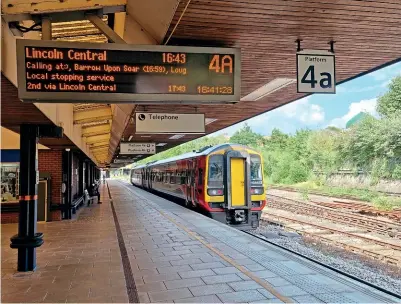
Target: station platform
[{"x": 138, "y": 247}]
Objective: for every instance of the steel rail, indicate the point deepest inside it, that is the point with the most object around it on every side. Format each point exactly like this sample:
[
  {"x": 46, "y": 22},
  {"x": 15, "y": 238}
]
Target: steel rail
[
  {"x": 345, "y": 196},
  {"x": 382, "y": 227},
  {"x": 346, "y": 274},
  {"x": 324, "y": 238},
  {"x": 368, "y": 239}
]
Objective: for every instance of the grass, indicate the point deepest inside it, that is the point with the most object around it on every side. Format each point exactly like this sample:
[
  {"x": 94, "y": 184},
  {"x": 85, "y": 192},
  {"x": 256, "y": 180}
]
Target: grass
[{"x": 380, "y": 201}]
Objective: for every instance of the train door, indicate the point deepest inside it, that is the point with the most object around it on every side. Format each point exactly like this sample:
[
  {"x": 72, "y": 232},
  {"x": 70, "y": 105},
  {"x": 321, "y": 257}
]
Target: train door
[
  {"x": 194, "y": 183},
  {"x": 143, "y": 175},
  {"x": 237, "y": 176},
  {"x": 150, "y": 175},
  {"x": 237, "y": 186},
  {"x": 190, "y": 191},
  {"x": 188, "y": 197}
]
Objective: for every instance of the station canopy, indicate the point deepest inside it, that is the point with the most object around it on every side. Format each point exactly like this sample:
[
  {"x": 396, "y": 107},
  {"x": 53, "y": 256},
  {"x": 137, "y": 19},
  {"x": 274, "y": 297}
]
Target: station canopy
[{"x": 367, "y": 36}]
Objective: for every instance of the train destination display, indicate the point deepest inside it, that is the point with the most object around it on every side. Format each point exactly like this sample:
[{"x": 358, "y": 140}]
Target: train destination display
[{"x": 67, "y": 72}]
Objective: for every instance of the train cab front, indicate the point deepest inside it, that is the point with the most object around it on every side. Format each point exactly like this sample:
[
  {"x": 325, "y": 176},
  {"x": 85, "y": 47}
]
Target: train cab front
[{"x": 235, "y": 192}]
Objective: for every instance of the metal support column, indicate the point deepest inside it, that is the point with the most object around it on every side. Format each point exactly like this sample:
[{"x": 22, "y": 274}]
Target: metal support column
[
  {"x": 27, "y": 238},
  {"x": 68, "y": 172},
  {"x": 81, "y": 177},
  {"x": 87, "y": 182}
]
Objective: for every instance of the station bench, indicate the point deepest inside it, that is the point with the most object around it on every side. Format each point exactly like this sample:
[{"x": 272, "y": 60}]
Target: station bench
[{"x": 89, "y": 198}]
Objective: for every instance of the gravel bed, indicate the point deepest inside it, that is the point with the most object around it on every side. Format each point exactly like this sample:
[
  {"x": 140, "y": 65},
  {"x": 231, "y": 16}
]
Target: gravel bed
[{"x": 375, "y": 272}]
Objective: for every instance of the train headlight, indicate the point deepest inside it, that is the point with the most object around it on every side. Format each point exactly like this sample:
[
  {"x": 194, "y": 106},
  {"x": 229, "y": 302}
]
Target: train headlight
[
  {"x": 215, "y": 192},
  {"x": 258, "y": 190}
]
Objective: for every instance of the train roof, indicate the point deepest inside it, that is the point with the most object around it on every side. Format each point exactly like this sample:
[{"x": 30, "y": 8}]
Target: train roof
[{"x": 202, "y": 152}]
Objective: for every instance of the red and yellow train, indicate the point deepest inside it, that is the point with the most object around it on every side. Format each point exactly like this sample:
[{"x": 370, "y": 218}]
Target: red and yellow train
[{"x": 226, "y": 181}]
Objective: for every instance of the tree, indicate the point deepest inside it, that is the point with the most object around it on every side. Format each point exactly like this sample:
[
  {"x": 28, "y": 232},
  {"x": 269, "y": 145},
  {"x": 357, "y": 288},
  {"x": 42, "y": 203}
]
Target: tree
[
  {"x": 390, "y": 103},
  {"x": 323, "y": 149},
  {"x": 245, "y": 136},
  {"x": 278, "y": 139},
  {"x": 373, "y": 139}
]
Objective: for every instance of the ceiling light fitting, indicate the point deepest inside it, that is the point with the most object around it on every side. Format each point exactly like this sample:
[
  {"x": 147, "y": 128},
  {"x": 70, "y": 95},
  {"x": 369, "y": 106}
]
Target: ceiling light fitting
[
  {"x": 177, "y": 136},
  {"x": 209, "y": 120}
]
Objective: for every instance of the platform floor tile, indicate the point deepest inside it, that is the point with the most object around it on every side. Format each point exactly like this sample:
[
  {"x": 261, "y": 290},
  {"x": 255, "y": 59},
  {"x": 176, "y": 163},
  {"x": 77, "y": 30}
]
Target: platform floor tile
[{"x": 140, "y": 247}]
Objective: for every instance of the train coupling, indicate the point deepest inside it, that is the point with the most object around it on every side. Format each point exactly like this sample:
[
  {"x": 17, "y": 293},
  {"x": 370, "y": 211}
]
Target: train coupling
[{"x": 239, "y": 216}]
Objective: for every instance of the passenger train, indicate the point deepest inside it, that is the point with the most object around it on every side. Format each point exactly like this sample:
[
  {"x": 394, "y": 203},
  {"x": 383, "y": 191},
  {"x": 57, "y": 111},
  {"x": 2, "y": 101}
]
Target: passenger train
[{"x": 226, "y": 181}]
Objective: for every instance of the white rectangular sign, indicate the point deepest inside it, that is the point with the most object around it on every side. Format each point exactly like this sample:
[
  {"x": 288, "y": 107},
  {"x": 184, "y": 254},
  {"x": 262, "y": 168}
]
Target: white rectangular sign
[
  {"x": 169, "y": 123},
  {"x": 123, "y": 161},
  {"x": 316, "y": 72},
  {"x": 137, "y": 148}
]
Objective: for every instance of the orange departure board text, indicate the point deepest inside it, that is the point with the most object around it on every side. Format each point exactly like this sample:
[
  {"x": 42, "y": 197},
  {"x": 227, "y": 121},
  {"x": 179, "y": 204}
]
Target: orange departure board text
[{"x": 70, "y": 72}]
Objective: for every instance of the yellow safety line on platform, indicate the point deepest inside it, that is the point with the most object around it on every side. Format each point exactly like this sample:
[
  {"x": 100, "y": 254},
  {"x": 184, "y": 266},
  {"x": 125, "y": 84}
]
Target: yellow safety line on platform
[{"x": 260, "y": 281}]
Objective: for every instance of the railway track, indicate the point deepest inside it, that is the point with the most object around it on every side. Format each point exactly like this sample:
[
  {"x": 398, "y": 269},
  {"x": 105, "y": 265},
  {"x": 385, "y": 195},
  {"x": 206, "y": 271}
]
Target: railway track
[
  {"x": 351, "y": 240},
  {"x": 350, "y": 197},
  {"x": 353, "y": 236},
  {"x": 383, "y": 227},
  {"x": 335, "y": 269},
  {"x": 362, "y": 209}
]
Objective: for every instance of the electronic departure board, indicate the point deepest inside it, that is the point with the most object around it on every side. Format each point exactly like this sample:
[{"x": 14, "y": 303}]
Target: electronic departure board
[{"x": 53, "y": 71}]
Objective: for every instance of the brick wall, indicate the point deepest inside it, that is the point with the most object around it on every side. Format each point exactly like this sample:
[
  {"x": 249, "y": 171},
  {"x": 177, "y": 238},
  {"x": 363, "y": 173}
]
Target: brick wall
[
  {"x": 9, "y": 217},
  {"x": 51, "y": 161}
]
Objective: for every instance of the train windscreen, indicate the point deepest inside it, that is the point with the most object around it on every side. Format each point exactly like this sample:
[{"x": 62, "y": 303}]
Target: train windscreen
[
  {"x": 215, "y": 176},
  {"x": 256, "y": 169}
]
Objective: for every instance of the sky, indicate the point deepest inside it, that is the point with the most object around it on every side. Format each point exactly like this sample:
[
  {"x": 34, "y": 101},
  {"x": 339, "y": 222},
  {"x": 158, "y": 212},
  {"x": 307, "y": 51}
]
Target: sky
[{"x": 319, "y": 111}]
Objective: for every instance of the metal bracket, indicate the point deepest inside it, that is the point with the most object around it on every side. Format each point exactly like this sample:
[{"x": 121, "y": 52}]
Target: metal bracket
[
  {"x": 298, "y": 41},
  {"x": 331, "y": 45},
  {"x": 105, "y": 29}
]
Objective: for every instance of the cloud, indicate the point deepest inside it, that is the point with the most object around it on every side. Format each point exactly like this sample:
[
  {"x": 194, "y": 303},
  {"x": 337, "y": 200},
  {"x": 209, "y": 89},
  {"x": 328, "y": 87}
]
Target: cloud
[
  {"x": 303, "y": 111},
  {"x": 366, "y": 105},
  {"x": 258, "y": 124},
  {"x": 286, "y": 118}
]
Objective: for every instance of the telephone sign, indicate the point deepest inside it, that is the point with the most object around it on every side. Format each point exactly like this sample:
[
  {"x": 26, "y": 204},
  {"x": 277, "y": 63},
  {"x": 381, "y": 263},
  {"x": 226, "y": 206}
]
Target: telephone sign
[{"x": 316, "y": 72}]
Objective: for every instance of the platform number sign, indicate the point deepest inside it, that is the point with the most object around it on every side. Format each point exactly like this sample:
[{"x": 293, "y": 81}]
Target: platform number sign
[{"x": 316, "y": 73}]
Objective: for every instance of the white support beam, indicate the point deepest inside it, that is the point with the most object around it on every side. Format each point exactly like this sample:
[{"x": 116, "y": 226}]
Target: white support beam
[
  {"x": 92, "y": 115},
  {"x": 99, "y": 148},
  {"x": 96, "y": 130},
  {"x": 98, "y": 138},
  {"x": 97, "y": 144}
]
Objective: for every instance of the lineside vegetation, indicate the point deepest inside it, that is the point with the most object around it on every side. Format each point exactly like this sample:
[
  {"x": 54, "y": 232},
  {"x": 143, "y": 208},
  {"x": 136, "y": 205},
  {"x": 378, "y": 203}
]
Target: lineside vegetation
[{"x": 370, "y": 147}]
